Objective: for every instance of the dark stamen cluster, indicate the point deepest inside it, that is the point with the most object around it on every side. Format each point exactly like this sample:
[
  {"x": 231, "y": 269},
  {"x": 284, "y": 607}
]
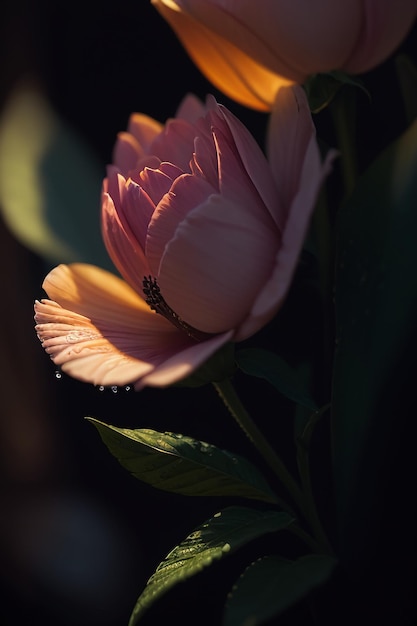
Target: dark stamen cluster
[{"x": 156, "y": 302}]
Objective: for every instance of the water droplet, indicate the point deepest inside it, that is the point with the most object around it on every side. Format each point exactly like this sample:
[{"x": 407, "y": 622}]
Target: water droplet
[
  {"x": 58, "y": 374},
  {"x": 128, "y": 388},
  {"x": 114, "y": 388},
  {"x": 101, "y": 388}
]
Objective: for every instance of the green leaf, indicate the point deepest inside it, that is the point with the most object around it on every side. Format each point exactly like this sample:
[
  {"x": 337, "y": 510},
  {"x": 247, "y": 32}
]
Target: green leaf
[
  {"x": 322, "y": 88},
  {"x": 273, "y": 584},
  {"x": 272, "y": 368},
  {"x": 219, "y": 536},
  {"x": 376, "y": 312},
  {"x": 50, "y": 182},
  {"x": 181, "y": 464}
]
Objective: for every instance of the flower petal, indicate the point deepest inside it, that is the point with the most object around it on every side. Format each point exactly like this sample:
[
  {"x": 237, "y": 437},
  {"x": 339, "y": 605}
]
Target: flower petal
[
  {"x": 191, "y": 109},
  {"x": 273, "y": 293},
  {"x": 126, "y": 153},
  {"x": 99, "y": 330},
  {"x": 145, "y": 129},
  {"x": 289, "y": 134},
  {"x": 176, "y": 143},
  {"x": 184, "y": 363},
  {"x": 124, "y": 232},
  {"x": 186, "y": 193},
  {"x": 249, "y": 154},
  {"x": 215, "y": 265},
  {"x": 232, "y": 71}
]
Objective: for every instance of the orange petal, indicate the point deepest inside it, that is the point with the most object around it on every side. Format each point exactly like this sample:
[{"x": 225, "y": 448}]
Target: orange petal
[
  {"x": 232, "y": 71},
  {"x": 99, "y": 330}
]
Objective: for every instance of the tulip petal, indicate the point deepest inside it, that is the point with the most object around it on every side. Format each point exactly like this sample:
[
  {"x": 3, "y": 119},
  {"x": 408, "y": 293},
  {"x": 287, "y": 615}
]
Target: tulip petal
[
  {"x": 215, "y": 265},
  {"x": 184, "y": 363},
  {"x": 175, "y": 143},
  {"x": 232, "y": 71},
  {"x": 289, "y": 134},
  {"x": 126, "y": 153},
  {"x": 186, "y": 193},
  {"x": 274, "y": 291},
  {"x": 99, "y": 330},
  {"x": 292, "y": 39},
  {"x": 386, "y": 24},
  {"x": 145, "y": 129},
  {"x": 250, "y": 155},
  {"x": 124, "y": 232},
  {"x": 258, "y": 187},
  {"x": 156, "y": 183},
  {"x": 191, "y": 109}
]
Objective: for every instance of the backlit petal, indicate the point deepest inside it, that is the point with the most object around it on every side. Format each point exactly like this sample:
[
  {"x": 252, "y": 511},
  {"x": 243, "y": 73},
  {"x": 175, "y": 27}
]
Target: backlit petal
[
  {"x": 121, "y": 242},
  {"x": 99, "y": 330},
  {"x": 230, "y": 69}
]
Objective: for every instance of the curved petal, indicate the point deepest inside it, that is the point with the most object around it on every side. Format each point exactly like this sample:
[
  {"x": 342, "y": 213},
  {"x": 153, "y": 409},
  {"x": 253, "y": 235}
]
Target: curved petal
[
  {"x": 126, "y": 153},
  {"x": 191, "y": 109},
  {"x": 215, "y": 265},
  {"x": 292, "y": 39},
  {"x": 385, "y": 25},
  {"x": 145, "y": 129},
  {"x": 156, "y": 183},
  {"x": 99, "y": 330},
  {"x": 186, "y": 193},
  {"x": 123, "y": 246},
  {"x": 184, "y": 363},
  {"x": 275, "y": 289},
  {"x": 176, "y": 143},
  {"x": 230, "y": 69},
  {"x": 290, "y": 131},
  {"x": 245, "y": 176}
]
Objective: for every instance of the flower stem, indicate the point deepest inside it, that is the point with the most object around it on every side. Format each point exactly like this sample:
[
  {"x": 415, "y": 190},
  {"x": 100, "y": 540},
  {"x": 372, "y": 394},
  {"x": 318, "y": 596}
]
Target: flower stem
[
  {"x": 228, "y": 394},
  {"x": 344, "y": 120},
  {"x": 303, "y": 461}
]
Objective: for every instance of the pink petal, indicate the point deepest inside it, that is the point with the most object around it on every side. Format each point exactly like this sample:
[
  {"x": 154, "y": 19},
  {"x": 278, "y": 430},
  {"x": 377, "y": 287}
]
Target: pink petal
[
  {"x": 126, "y": 152},
  {"x": 99, "y": 330},
  {"x": 124, "y": 245},
  {"x": 176, "y": 143},
  {"x": 252, "y": 157},
  {"x": 157, "y": 182},
  {"x": 145, "y": 129},
  {"x": 183, "y": 364},
  {"x": 385, "y": 26},
  {"x": 236, "y": 184},
  {"x": 216, "y": 264},
  {"x": 191, "y": 109},
  {"x": 274, "y": 291},
  {"x": 187, "y": 192},
  {"x": 289, "y": 134}
]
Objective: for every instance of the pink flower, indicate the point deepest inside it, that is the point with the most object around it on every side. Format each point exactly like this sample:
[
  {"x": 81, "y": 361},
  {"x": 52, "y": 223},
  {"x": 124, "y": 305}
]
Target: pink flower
[
  {"x": 204, "y": 236},
  {"x": 248, "y": 49}
]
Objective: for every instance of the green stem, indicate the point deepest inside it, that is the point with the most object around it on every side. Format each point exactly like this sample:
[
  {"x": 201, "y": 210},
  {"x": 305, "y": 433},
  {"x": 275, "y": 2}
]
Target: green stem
[
  {"x": 232, "y": 401},
  {"x": 344, "y": 119},
  {"x": 303, "y": 461}
]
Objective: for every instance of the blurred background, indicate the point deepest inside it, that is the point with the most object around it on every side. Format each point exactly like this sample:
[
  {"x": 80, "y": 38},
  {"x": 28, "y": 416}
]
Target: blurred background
[{"x": 79, "y": 536}]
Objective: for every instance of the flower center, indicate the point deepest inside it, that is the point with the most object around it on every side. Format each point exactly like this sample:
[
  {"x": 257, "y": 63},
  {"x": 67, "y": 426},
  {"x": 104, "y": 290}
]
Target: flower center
[{"x": 156, "y": 302}]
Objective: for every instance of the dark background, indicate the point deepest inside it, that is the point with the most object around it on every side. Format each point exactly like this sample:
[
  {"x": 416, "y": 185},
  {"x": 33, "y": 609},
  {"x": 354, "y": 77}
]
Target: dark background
[{"x": 78, "y": 535}]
